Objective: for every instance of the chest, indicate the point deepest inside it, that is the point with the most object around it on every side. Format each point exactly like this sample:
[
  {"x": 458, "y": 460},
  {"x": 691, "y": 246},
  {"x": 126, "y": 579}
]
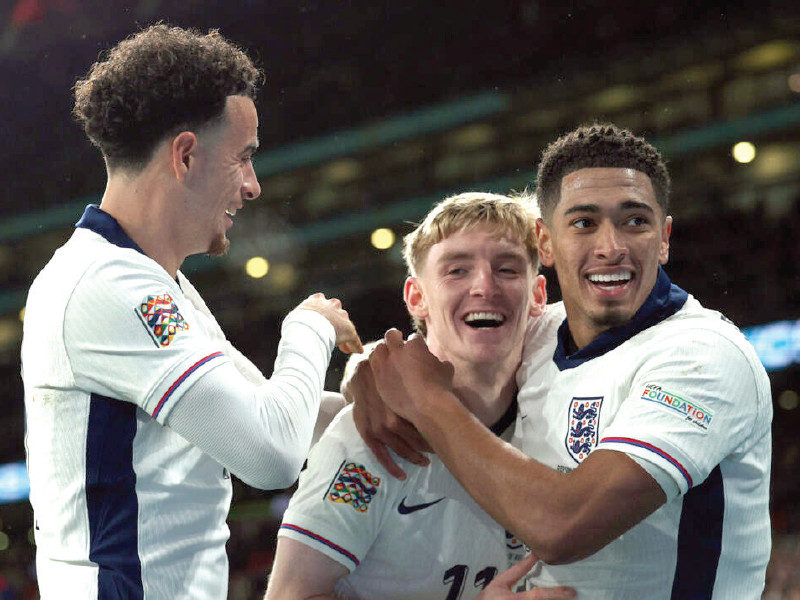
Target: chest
[{"x": 563, "y": 413}]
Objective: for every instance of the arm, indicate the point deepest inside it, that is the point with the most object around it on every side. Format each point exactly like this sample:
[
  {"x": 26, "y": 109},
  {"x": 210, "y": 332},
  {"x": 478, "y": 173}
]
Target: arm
[
  {"x": 262, "y": 432},
  {"x": 561, "y": 517},
  {"x": 314, "y": 581}
]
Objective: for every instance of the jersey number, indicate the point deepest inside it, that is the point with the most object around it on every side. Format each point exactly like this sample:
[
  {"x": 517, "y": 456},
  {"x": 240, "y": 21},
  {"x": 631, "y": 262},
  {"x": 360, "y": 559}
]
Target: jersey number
[{"x": 456, "y": 577}]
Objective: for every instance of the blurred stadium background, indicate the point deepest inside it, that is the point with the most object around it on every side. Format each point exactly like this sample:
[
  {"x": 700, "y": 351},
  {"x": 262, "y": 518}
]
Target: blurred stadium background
[{"x": 375, "y": 110}]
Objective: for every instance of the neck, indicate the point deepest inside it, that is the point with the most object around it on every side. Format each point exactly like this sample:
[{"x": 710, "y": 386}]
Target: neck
[
  {"x": 486, "y": 390},
  {"x": 140, "y": 203}
]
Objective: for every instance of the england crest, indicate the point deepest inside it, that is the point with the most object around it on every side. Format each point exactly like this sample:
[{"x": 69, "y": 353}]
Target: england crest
[{"x": 584, "y": 417}]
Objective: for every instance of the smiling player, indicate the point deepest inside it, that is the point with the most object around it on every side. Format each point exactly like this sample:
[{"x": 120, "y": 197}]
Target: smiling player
[
  {"x": 353, "y": 530},
  {"x": 137, "y": 407}
]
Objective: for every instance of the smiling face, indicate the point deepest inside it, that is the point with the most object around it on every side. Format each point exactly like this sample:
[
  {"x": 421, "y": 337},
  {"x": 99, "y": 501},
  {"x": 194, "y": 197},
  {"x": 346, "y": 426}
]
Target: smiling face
[
  {"x": 606, "y": 238},
  {"x": 225, "y": 176},
  {"x": 475, "y": 291}
]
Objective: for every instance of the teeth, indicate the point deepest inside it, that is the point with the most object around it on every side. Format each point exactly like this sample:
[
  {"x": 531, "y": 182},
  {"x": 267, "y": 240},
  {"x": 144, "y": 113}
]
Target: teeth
[
  {"x": 609, "y": 278},
  {"x": 230, "y": 213},
  {"x": 489, "y": 317}
]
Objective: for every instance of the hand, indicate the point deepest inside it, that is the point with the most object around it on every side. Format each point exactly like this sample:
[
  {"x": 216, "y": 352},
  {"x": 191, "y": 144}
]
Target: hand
[
  {"x": 407, "y": 375},
  {"x": 502, "y": 586},
  {"x": 379, "y": 426},
  {"x": 347, "y": 339}
]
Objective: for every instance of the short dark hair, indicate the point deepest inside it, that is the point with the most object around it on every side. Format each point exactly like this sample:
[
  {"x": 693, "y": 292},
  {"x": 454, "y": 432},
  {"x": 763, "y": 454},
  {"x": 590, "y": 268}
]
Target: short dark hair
[
  {"x": 157, "y": 82},
  {"x": 599, "y": 145}
]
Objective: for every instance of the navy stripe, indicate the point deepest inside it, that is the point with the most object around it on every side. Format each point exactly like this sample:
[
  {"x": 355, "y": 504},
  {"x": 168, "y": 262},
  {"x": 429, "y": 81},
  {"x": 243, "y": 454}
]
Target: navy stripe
[
  {"x": 111, "y": 499},
  {"x": 700, "y": 539},
  {"x": 665, "y": 300}
]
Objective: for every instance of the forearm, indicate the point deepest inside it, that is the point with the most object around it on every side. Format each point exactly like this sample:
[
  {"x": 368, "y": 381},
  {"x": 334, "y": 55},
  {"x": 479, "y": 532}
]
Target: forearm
[
  {"x": 562, "y": 517},
  {"x": 260, "y": 432}
]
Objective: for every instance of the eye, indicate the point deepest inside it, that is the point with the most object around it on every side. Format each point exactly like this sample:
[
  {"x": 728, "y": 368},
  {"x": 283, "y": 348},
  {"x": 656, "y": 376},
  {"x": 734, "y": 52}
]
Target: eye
[
  {"x": 582, "y": 223},
  {"x": 637, "y": 221}
]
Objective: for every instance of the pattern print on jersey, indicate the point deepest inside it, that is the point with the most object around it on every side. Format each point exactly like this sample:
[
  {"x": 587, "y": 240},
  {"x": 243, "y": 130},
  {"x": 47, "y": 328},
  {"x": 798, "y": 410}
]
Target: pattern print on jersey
[
  {"x": 162, "y": 319},
  {"x": 584, "y": 416},
  {"x": 353, "y": 485}
]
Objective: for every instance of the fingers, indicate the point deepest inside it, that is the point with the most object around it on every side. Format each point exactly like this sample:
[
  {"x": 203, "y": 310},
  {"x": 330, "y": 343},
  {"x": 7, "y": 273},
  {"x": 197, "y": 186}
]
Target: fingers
[
  {"x": 350, "y": 342},
  {"x": 513, "y": 574}
]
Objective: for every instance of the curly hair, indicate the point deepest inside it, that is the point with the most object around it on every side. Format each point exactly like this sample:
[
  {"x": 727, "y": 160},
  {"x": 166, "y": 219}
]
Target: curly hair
[
  {"x": 510, "y": 216},
  {"x": 598, "y": 145},
  {"x": 157, "y": 82}
]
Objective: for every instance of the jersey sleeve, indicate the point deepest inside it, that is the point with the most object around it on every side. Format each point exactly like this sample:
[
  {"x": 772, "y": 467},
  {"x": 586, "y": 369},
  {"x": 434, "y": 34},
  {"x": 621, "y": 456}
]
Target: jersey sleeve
[
  {"x": 343, "y": 497},
  {"x": 691, "y": 407},
  {"x": 131, "y": 335}
]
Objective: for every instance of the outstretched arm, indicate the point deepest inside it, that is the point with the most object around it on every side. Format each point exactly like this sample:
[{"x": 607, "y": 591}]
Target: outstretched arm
[{"x": 562, "y": 517}]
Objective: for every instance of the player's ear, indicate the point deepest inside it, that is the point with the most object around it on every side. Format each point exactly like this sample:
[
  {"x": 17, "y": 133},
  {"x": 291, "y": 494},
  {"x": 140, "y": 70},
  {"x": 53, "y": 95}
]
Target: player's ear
[
  {"x": 415, "y": 299},
  {"x": 544, "y": 243},
  {"x": 539, "y": 296},
  {"x": 183, "y": 148},
  {"x": 663, "y": 254}
]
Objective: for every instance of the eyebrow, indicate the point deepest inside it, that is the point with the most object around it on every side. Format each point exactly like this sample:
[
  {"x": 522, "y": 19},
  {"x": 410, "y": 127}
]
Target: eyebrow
[
  {"x": 626, "y": 205},
  {"x": 462, "y": 255},
  {"x": 250, "y": 149}
]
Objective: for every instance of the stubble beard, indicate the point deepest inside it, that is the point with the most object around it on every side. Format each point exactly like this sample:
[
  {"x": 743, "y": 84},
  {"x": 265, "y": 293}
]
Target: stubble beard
[{"x": 219, "y": 246}]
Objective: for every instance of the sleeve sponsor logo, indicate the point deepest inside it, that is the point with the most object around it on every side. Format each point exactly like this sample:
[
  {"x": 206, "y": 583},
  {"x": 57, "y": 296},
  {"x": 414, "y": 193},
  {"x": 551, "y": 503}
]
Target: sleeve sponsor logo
[
  {"x": 161, "y": 318},
  {"x": 690, "y": 411},
  {"x": 584, "y": 417},
  {"x": 353, "y": 485}
]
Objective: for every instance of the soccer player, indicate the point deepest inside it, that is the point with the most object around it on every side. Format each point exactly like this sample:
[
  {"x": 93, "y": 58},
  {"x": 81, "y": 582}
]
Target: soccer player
[
  {"x": 644, "y": 470},
  {"x": 353, "y": 531},
  {"x": 137, "y": 407}
]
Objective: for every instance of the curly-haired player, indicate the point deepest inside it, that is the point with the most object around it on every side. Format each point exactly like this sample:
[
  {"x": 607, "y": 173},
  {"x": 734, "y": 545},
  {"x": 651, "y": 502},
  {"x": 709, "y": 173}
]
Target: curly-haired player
[{"x": 137, "y": 407}]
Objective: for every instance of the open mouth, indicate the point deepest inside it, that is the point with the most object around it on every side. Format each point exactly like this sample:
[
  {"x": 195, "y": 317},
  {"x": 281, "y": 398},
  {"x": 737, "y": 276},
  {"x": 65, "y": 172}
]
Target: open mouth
[
  {"x": 481, "y": 320},
  {"x": 610, "y": 281}
]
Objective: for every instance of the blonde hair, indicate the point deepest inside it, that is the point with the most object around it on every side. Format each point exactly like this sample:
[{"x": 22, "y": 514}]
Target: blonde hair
[{"x": 510, "y": 216}]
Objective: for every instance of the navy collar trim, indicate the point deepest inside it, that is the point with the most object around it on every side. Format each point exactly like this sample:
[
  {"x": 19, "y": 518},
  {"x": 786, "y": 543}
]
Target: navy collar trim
[
  {"x": 507, "y": 419},
  {"x": 104, "y": 224},
  {"x": 664, "y": 301}
]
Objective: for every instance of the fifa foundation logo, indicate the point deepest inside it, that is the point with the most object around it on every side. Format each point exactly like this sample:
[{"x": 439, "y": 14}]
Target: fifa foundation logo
[{"x": 690, "y": 411}]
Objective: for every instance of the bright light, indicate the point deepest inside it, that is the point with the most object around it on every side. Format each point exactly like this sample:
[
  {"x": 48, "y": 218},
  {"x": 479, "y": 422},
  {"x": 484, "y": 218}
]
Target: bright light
[
  {"x": 744, "y": 152},
  {"x": 788, "y": 400},
  {"x": 382, "y": 238},
  {"x": 257, "y": 267},
  {"x": 794, "y": 82}
]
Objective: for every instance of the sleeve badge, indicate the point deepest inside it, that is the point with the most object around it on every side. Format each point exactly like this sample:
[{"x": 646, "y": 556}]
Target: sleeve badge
[
  {"x": 161, "y": 318},
  {"x": 353, "y": 485}
]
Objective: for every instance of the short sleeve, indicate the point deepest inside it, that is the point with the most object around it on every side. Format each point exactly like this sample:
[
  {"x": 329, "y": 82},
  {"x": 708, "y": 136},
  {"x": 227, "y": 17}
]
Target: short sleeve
[
  {"x": 690, "y": 408},
  {"x": 131, "y": 335},
  {"x": 343, "y": 498}
]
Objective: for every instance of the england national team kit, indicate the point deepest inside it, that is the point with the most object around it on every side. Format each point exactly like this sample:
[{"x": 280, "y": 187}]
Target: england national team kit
[
  {"x": 682, "y": 393},
  {"x": 423, "y": 538},
  {"x": 124, "y": 507}
]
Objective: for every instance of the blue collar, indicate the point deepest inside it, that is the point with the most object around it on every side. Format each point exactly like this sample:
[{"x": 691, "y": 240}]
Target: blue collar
[
  {"x": 104, "y": 224},
  {"x": 664, "y": 301}
]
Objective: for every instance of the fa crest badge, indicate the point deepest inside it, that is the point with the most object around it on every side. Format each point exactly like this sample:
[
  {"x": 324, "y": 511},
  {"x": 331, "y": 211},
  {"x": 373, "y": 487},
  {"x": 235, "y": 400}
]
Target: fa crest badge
[{"x": 583, "y": 419}]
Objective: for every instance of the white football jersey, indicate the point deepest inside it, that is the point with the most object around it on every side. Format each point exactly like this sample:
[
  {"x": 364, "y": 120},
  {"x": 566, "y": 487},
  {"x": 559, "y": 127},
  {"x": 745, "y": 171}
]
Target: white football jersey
[
  {"x": 423, "y": 538},
  {"x": 124, "y": 507},
  {"x": 682, "y": 392}
]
